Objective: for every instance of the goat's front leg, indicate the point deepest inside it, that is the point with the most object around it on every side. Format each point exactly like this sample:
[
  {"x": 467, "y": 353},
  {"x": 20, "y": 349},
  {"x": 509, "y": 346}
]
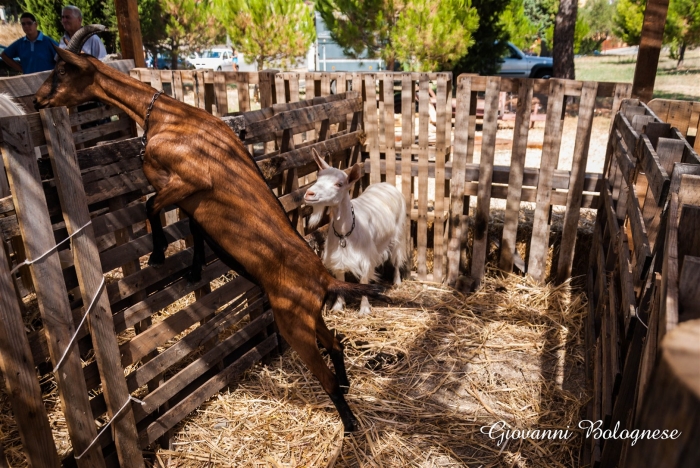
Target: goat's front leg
[
  {"x": 160, "y": 243},
  {"x": 195, "y": 273},
  {"x": 364, "y": 304},
  {"x": 339, "y": 305}
]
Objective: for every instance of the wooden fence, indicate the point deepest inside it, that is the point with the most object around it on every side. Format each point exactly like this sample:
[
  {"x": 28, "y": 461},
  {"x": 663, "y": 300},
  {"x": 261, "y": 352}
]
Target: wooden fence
[
  {"x": 642, "y": 281},
  {"x": 95, "y": 194}
]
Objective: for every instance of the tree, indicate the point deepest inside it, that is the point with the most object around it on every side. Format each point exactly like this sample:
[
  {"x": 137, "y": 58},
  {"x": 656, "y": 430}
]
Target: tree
[
  {"x": 433, "y": 34},
  {"x": 189, "y": 24},
  {"x": 598, "y": 16},
  {"x": 270, "y": 32},
  {"x": 482, "y": 57},
  {"x": 682, "y": 27},
  {"x": 521, "y": 30},
  {"x": 628, "y": 20},
  {"x": 564, "y": 31},
  {"x": 542, "y": 13},
  {"x": 359, "y": 26}
]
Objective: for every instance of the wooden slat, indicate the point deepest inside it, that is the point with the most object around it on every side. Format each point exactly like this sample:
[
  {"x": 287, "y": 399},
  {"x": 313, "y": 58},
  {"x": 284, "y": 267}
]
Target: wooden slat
[
  {"x": 407, "y": 135},
  {"x": 539, "y": 244},
  {"x": 371, "y": 124},
  {"x": 440, "y": 180},
  {"x": 459, "y": 160},
  {"x": 389, "y": 130},
  {"x": 74, "y": 203},
  {"x": 423, "y": 121},
  {"x": 33, "y": 217},
  {"x": 578, "y": 171},
  {"x": 515, "y": 177},
  {"x": 642, "y": 251},
  {"x": 221, "y": 93},
  {"x": 483, "y": 202},
  {"x": 177, "y": 412}
]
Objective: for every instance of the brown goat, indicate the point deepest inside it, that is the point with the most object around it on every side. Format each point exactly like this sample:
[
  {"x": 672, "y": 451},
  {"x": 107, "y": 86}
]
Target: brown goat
[{"x": 195, "y": 161}]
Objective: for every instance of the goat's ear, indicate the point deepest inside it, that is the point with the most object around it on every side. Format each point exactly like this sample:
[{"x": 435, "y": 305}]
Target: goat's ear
[
  {"x": 70, "y": 57},
  {"x": 355, "y": 174},
  {"x": 320, "y": 162}
]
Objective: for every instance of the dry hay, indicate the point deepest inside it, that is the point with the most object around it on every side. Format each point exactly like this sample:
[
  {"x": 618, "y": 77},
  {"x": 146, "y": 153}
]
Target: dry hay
[{"x": 427, "y": 372}]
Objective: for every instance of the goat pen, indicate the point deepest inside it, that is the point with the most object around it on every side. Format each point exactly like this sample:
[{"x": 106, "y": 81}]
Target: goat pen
[{"x": 176, "y": 361}]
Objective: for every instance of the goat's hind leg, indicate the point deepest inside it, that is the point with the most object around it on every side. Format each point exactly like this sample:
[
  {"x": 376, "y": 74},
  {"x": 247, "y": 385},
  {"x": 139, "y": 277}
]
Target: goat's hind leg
[
  {"x": 298, "y": 328},
  {"x": 160, "y": 243},
  {"x": 335, "y": 348},
  {"x": 198, "y": 259}
]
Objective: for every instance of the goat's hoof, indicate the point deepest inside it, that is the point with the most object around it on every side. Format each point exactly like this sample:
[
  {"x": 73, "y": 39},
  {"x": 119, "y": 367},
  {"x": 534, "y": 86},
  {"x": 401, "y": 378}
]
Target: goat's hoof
[
  {"x": 345, "y": 388},
  {"x": 193, "y": 278},
  {"x": 365, "y": 311},
  {"x": 156, "y": 260},
  {"x": 349, "y": 425}
]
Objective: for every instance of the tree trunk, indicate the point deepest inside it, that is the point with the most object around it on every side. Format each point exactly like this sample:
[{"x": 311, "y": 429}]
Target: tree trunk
[
  {"x": 681, "y": 55},
  {"x": 649, "y": 49},
  {"x": 563, "y": 50}
]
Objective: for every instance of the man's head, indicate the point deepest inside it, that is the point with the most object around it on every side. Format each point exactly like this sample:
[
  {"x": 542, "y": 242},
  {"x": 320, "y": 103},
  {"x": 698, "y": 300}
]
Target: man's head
[
  {"x": 71, "y": 19},
  {"x": 28, "y": 22}
]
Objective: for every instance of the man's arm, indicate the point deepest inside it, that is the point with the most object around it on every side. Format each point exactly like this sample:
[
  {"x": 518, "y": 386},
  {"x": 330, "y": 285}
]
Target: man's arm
[{"x": 11, "y": 63}]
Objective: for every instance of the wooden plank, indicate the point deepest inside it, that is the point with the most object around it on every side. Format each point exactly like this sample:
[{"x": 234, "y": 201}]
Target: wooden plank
[
  {"x": 515, "y": 177},
  {"x": 440, "y": 180},
  {"x": 221, "y": 93},
  {"x": 21, "y": 383},
  {"x": 389, "y": 130},
  {"x": 407, "y": 136},
  {"x": 371, "y": 124},
  {"x": 33, "y": 217},
  {"x": 642, "y": 251},
  {"x": 688, "y": 291},
  {"x": 578, "y": 171},
  {"x": 74, "y": 203},
  {"x": 199, "y": 93},
  {"x": 423, "y": 121},
  {"x": 539, "y": 243},
  {"x": 206, "y": 362},
  {"x": 202, "y": 393},
  {"x": 668, "y": 313},
  {"x": 657, "y": 176},
  {"x": 243, "y": 91},
  {"x": 459, "y": 161},
  {"x": 483, "y": 203}
]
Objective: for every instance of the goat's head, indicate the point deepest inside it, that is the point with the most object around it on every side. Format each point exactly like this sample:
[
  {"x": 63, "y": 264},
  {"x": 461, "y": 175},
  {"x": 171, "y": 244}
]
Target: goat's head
[
  {"x": 331, "y": 184},
  {"x": 71, "y": 81}
]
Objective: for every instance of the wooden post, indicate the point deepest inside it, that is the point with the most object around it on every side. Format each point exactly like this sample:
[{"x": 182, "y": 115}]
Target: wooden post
[
  {"x": 649, "y": 49},
  {"x": 130, "y": 31}
]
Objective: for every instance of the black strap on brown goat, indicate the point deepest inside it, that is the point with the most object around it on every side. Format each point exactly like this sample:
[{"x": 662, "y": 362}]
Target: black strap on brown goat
[
  {"x": 82, "y": 35},
  {"x": 144, "y": 137}
]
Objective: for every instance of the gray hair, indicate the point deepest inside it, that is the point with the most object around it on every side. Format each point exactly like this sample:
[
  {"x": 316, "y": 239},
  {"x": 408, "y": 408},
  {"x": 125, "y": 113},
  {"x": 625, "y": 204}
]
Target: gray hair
[{"x": 76, "y": 11}]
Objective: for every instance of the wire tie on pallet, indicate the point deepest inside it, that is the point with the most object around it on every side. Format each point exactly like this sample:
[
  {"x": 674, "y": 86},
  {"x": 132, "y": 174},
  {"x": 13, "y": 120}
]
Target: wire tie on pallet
[
  {"x": 80, "y": 325},
  {"x": 29, "y": 262},
  {"x": 104, "y": 428},
  {"x": 640, "y": 319}
]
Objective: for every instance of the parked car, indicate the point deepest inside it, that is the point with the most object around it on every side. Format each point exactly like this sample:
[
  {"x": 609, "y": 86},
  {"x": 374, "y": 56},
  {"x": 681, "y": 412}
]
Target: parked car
[
  {"x": 164, "y": 61},
  {"x": 517, "y": 64},
  {"x": 217, "y": 58}
]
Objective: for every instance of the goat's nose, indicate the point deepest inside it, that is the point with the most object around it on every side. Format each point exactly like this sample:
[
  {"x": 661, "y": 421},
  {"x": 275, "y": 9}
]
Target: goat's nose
[{"x": 309, "y": 193}]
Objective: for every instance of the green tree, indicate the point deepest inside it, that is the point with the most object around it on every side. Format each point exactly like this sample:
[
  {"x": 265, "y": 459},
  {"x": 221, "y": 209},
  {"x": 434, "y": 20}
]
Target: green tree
[
  {"x": 270, "y": 32},
  {"x": 359, "y": 26},
  {"x": 542, "y": 13},
  {"x": 521, "y": 30},
  {"x": 483, "y": 56},
  {"x": 682, "y": 27},
  {"x": 433, "y": 34},
  {"x": 628, "y": 20},
  {"x": 189, "y": 24},
  {"x": 598, "y": 16}
]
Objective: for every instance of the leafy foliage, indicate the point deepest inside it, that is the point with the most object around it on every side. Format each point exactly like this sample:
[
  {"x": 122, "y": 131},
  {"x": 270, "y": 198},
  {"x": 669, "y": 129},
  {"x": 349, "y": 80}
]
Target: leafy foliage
[
  {"x": 628, "y": 19},
  {"x": 682, "y": 27},
  {"x": 271, "y": 32},
  {"x": 483, "y": 56},
  {"x": 430, "y": 34},
  {"x": 521, "y": 30},
  {"x": 542, "y": 14},
  {"x": 597, "y": 15}
]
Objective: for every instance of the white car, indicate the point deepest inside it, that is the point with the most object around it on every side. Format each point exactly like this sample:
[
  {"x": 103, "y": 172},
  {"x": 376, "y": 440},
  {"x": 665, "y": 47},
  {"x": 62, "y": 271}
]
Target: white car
[{"x": 216, "y": 59}]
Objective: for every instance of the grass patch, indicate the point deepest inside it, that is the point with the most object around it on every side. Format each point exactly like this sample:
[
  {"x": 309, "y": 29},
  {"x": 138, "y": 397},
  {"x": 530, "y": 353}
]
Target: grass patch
[{"x": 671, "y": 82}]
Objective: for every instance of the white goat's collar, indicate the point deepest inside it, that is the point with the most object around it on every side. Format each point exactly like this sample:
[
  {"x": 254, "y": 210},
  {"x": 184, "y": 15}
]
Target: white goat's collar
[
  {"x": 342, "y": 237},
  {"x": 144, "y": 138}
]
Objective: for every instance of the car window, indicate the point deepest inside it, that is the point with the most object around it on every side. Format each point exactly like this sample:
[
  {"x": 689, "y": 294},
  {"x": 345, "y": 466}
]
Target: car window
[
  {"x": 212, "y": 54},
  {"x": 225, "y": 57},
  {"x": 511, "y": 53}
]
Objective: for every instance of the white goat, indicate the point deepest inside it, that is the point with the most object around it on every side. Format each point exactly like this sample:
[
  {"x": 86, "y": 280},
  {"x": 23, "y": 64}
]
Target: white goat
[
  {"x": 8, "y": 106},
  {"x": 364, "y": 232}
]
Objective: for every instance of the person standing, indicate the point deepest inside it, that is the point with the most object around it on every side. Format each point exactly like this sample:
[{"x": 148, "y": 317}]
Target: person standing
[
  {"x": 72, "y": 20},
  {"x": 35, "y": 50}
]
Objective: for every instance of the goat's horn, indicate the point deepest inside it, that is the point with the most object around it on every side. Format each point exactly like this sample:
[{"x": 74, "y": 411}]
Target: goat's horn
[{"x": 82, "y": 35}]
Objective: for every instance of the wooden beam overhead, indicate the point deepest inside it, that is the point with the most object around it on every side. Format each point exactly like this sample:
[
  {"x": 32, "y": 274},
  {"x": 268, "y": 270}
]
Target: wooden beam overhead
[
  {"x": 649, "y": 49},
  {"x": 130, "y": 31}
]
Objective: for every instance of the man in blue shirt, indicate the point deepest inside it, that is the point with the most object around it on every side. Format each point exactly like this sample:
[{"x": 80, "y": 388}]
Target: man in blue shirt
[{"x": 35, "y": 51}]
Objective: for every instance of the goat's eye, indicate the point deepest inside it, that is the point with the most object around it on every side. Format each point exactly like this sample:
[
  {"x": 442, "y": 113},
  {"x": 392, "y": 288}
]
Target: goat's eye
[
  {"x": 61, "y": 71},
  {"x": 339, "y": 184}
]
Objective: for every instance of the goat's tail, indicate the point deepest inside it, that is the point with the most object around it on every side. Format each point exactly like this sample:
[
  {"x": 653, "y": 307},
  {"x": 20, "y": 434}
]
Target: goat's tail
[{"x": 356, "y": 290}]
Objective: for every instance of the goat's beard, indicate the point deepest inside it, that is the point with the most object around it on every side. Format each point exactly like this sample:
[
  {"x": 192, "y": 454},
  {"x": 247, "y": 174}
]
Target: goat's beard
[{"x": 316, "y": 216}]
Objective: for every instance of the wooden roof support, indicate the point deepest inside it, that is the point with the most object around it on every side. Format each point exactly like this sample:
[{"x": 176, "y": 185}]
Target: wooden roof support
[
  {"x": 649, "y": 49},
  {"x": 130, "y": 31}
]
